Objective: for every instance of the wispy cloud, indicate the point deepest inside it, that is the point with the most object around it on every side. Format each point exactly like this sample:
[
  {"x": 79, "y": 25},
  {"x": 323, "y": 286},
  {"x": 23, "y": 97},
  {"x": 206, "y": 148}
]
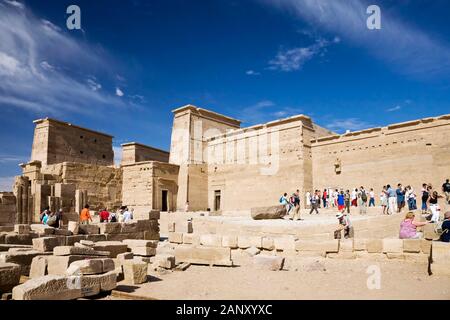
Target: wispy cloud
[
  {"x": 342, "y": 125},
  {"x": 266, "y": 110},
  {"x": 294, "y": 59},
  {"x": 6, "y": 183},
  {"x": 44, "y": 70},
  {"x": 252, "y": 73},
  {"x": 4, "y": 158},
  {"x": 396, "y": 108},
  {"x": 404, "y": 47}
]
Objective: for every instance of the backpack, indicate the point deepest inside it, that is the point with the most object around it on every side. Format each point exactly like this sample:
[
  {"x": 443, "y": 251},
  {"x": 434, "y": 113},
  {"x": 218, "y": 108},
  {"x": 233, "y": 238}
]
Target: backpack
[
  {"x": 364, "y": 196},
  {"x": 281, "y": 199},
  {"x": 51, "y": 221}
]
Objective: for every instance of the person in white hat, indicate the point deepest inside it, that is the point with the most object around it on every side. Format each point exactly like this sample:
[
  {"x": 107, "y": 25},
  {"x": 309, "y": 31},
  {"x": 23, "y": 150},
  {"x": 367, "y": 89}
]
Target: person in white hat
[{"x": 343, "y": 224}]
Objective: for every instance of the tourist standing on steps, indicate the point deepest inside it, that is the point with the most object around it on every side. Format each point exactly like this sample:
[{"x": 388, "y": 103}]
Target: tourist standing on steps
[
  {"x": 85, "y": 215},
  {"x": 400, "y": 197},
  {"x": 384, "y": 200},
  {"x": 424, "y": 197},
  {"x": 446, "y": 190},
  {"x": 371, "y": 198},
  {"x": 127, "y": 215},
  {"x": 314, "y": 203},
  {"x": 392, "y": 199},
  {"x": 347, "y": 199},
  {"x": 434, "y": 206}
]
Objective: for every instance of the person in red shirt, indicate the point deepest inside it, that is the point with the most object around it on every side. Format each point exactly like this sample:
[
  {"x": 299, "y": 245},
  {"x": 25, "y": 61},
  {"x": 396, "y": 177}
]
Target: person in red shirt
[{"x": 104, "y": 215}]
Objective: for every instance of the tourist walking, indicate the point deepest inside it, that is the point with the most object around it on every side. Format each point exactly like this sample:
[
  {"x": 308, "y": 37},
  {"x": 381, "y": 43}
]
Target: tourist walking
[
  {"x": 104, "y": 215},
  {"x": 400, "y": 197},
  {"x": 341, "y": 201},
  {"x": 424, "y": 197},
  {"x": 347, "y": 199},
  {"x": 354, "y": 197},
  {"x": 314, "y": 203},
  {"x": 408, "y": 227},
  {"x": 85, "y": 215},
  {"x": 392, "y": 199},
  {"x": 285, "y": 202},
  {"x": 324, "y": 198},
  {"x": 296, "y": 198},
  {"x": 362, "y": 196},
  {"x": 384, "y": 200},
  {"x": 446, "y": 190},
  {"x": 371, "y": 198}
]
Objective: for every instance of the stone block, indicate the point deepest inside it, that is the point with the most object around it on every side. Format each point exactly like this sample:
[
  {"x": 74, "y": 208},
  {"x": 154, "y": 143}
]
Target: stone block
[
  {"x": 412, "y": 245},
  {"x": 128, "y": 227},
  {"x": 266, "y": 262},
  {"x": 429, "y": 232},
  {"x": 71, "y": 240},
  {"x": 50, "y": 287},
  {"x": 63, "y": 232},
  {"x": 417, "y": 258},
  {"x": 111, "y": 227},
  {"x": 395, "y": 255},
  {"x": 47, "y": 244},
  {"x": 184, "y": 227},
  {"x": 171, "y": 227},
  {"x": 345, "y": 245},
  {"x": 26, "y": 239},
  {"x": 166, "y": 261},
  {"x": 359, "y": 244},
  {"x": 175, "y": 237},
  {"x": 42, "y": 229},
  {"x": 147, "y": 225},
  {"x": 83, "y": 267},
  {"x": 151, "y": 235},
  {"x": 230, "y": 242},
  {"x": 74, "y": 227},
  {"x": 268, "y": 243},
  {"x": 114, "y": 247},
  {"x": 274, "y": 212},
  {"x": 21, "y": 258},
  {"x": 204, "y": 255},
  {"x": 9, "y": 276},
  {"x": 22, "y": 228},
  {"x": 89, "y": 229},
  {"x": 211, "y": 240},
  {"x": 319, "y": 246},
  {"x": 245, "y": 242},
  {"x": 440, "y": 252},
  {"x": 374, "y": 245},
  {"x": 143, "y": 251},
  {"x": 140, "y": 243},
  {"x": 134, "y": 272},
  {"x": 104, "y": 282},
  {"x": 39, "y": 267},
  {"x": 392, "y": 246},
  {"x": 191, "y": 238},
  {"x": 284, "y": 243},
  {"x": 88, "y": 243},
  {"x": 440, "y": 269},
  {"x": 154, "y": 215},
  {"x": 80, "y": 251},
  {"x": 125, "y": 256},
  {"x": 57, "y": 265},
  {"x": 252, "y": 251},
  {"x": 344, "y": 255},
  {"x": 425, "y": 246}
]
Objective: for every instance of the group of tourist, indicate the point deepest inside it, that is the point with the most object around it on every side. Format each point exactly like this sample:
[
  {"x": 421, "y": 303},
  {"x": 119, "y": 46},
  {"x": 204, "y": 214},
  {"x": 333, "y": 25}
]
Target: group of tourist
[
  {"x": 50, "y": 218},
  {"x": 408, "y": 227},
  {"x": 122, "y": 215}
]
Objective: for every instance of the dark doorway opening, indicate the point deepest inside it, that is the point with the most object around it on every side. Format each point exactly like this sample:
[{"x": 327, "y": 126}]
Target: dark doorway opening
[
  {"x": 165, "y": 200},
  {"x": 217, "y": 200}
]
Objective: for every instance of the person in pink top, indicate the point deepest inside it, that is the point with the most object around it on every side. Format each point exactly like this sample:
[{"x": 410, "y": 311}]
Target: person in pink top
[{"x": 408, "y": 227}]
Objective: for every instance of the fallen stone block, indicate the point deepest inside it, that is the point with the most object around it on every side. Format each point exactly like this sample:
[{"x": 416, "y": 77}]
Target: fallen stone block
[
  {"x": 88, "y": 243},
  {"x": 39, "y": 266},
  {"x": 268, "y": 243},
  {"x": 274, "y": 212},
  {"x": 114, "y": 247},
  {"x": 68, "y": 250},
  {"x": 50, "y": 287},
  {"x": 89, "y": 229},
  {"x": 22, "y": 228},
  {"x": 57, "y": 265},
  {"x": 46, "y": 244},
  {"x": 265, "y": 262},
  {"x": 218, "y": 256},
  {"x": 252, "y": 251},
  {"x": 74, "y": 227},
  {"x": 8, "y": 247},
  {"x": 191, "y": 238},
  {"x": 71, "y": 240},
  {"x": 83, "y": 267},
  {"x": 166, "y": 261},
  {"x": 124, "y": 236},
  {"x": 323, "y": 246},
  {"x": 26, "y": 239},
  {"x": 125, "y": 256},
  {"x": 147, "y": 225},
  {"x": 412, "y": 245},
  {"x": 440, "y": 252},
  {"x": 140, "y": 243},
  {"x": 374, "y": 245},
  {"x": 392, "y": 246},
  {"x": 229, "y": 242},
  {"x": 175, "y": 237},
  {"x": 134, "y": 272},
  {"x": 63, "y": 232},
  {"x": 111, "y": 227},
  {"x": 23, "y": 259},
  {"x": 211, "y": 240},
  {"x": 9, "y": 276},
  {"x": 440, "y": 269},
  {"x": 154, "y": 215},
  {"x": 42, "y": 229},
  {"x": 184, "y": 227},
  {"x": 143, "y": 251},
  {"x": 245, "y": 242},
  {"x": 284, "y": 243},
  {"x": 93, "y": 284}
]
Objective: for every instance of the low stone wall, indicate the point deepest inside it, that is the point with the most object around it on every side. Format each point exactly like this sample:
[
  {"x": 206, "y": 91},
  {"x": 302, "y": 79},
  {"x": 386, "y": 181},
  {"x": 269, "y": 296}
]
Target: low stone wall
[{"x": 7, "y": 208}]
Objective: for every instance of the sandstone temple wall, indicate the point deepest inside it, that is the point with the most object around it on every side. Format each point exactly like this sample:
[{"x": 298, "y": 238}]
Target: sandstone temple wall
[
  {"x": 7, "y": 208},
  {"x": 135, "y": 152},
  {"x": 412, "y": 153}
]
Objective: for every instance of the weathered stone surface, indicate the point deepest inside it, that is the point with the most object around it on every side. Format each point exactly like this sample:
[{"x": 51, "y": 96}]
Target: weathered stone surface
[
  {"x": 252, "y": 251},
  {"x": 184, "y": 227},
  {"x": 359, "y": 244},
  {"x": 229, "y": 241},
  {"x": 345, "y": 245},
  {"x": 342, "y": 255},
  {"x": 166, "y": 261},
  {"x": 274, "y": 212},
  {"x": 88, "y": 243},
  {"x": 46, "y": 244},
  {"x": 395, "y": 255},
  {"x": 140, "y": 243},
  {"x": 204, "y": 255},
  {"x": 111, "y": 227},
  {"x": 268, "y": 243},
  {"x": 392, "y": 245},
  {"x": 429, "y": 232},
  {"x": 83, "y": 267},
  {"x": 114, "y": 247},
  {"x": 374, "y": 245},
  {"x": 20, "y": 238},
  {"x": 124, "y": 236},
  {"x": 104, "y": 282},
  {"x": 7, "y": 247},
  {"x": 9, "y": 276},
  {"x": 96, "y": 237},
  {"x": 134, "y": 272},
  {"x": 71, "y": 240},
  {"x": 425, "y": 246},
  {"x": 89, "y": 229},
  {"x": 417, "y": 258},
  {"x": 63, "y": 232},
  {"x": 22, "y": 258},
  {"x": 128, "y": 227},
  {"x": 143, "y": 251},
  {"x": 284, "y": 243},
  {"x": 440, "y": 269},
  {"x": 147, "y": 225},
  {"x": 171, "y": 226},
  {"x": 323, "y": 246},
  {"x": 211, "y": 240},
  {"x": 151, "y": 235},
  {"x": 440, "y": 252},
  {"x": 50, "y": 287},
  {"x": 272, "y": 263},
  {"x": 68, "y": 250},
  {"x": 39, "y": 267},
  {"x": 175, "y": 237},
  {"x": 412, "y": 245},
  {"x": 74, "y": 227},
  {"x": 22, "y": 228},
  {"x": 191, "y": 238},
  {"x": 245, "y": 242},
  {"x": 125, "y": 256},
  {"x": 42, "y": 229},
  {"x": 57, "y": 265}
]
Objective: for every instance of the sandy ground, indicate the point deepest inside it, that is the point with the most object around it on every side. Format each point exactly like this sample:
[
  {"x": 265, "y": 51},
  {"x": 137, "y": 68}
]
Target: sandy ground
[{"x": 316, "y": 278}]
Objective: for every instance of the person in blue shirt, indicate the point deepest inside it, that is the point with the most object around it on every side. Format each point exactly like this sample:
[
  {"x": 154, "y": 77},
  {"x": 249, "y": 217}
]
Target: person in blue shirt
[
  {"x": 392, "y": 199},
  {"x": 445, "y": 236},
  {"x": 341, "y": 201},
  {"x": 400, "y": 197}
]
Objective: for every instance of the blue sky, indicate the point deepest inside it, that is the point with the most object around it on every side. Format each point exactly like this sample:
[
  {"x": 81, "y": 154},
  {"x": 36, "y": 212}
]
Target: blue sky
[{"x": 256, "y": 60}]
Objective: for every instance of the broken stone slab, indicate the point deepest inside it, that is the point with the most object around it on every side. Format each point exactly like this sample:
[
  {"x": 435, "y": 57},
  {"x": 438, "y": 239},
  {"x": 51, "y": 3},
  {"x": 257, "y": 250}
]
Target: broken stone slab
[
  {"x": 412, "y": 245},
  {"x": 26, "y": 239},
  {"x": 96, "y": 237},
  {"x": 143, "y": 251},
  {"x": 57, "y": 265},
  {"x": 63, "y": 232},
  {"x": 392, "y": 246},
  {"x": 274, "y": 212},
  {"x": 129, "y": 227},
  {"x": 440, "y": 252},
  {"x": 42, "y": 229},
  {"x": 134, "y": 272},
  {"x": 89, "y": 229},
  {"x": 166, "y": 261},
  {"x": 84, "y": 267},
  {"x": 93, "y": 284},
  {"x": 46, "y": 244},
  {"x": 125, "y": 256},
  {"x": 50, "y": 287},
  {"x": 175, "y": 237},
  {"x": 218, "y": 256},
  {"x": 252, "y": 251},
  {"x": 74, "y": 227},
  {"x": 114, "y": 247},
  {"x": 22, "y": 228},
  {"x": 140, "y": 243},
  {"x": 123, "y": 236},
  {"x": 71, "y": 240},
  {"x": 245, "y": 242},
  {"x": 9, "y": 276},
  {"x": 151, "y": 235},
  {"x": 211, "y": 240},
  {"x": 69, "y": 250},
  {"x": 266, "y": 262},
  {"x": 320, "y": 246},
  {"x": 39, "y": 266},
  {"x": 147, "y": 225},
  {"x": 87, "y": 243},
  {"x": 110, "y": 228},
  {"x": 22, "y": 258},
  {"x": 7, "y": 247}
]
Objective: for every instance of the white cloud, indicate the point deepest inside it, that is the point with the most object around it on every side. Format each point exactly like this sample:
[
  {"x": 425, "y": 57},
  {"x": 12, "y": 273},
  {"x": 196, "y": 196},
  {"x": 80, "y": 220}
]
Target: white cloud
[
  {"x": 404, "y": 47},
  {"x": 119, "y": 92},
  {"x": 4, "y": 158},
  {"x": 16, "y": 4},
  {"x": 266, "y": 110},
  {"x": 294, "y": 59},
  {"x": 396, "y": 108},
  {"x": 8, "y": 65},
  {"x": 252, "y": 73},
  {"x": 352, "y": 124},
  {"x": 6, "y": 183},
  {"x": 93, "y": 84}
]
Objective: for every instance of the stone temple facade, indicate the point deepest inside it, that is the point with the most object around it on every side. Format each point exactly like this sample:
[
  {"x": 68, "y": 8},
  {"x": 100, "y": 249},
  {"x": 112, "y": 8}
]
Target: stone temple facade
[{"x": 215, "y": 164}]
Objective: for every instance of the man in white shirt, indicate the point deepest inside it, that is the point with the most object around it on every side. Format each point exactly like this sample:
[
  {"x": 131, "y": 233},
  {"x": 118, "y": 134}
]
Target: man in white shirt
[{"x": 127, "y": 215}]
